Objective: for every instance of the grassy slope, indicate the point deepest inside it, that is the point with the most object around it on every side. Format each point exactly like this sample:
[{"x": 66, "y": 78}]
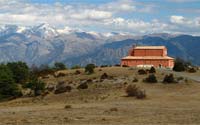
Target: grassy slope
[{"x": 165, "y": 104}]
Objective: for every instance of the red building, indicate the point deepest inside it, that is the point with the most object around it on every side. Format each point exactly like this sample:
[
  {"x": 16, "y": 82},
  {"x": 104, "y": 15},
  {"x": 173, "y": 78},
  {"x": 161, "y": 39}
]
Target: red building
[{"x": 147, "y": 56}]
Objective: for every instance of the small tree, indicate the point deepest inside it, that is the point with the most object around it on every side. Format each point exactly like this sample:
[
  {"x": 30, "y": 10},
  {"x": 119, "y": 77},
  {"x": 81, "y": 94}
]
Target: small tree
[
  {"x": 8, "y": 88},
  {"x": 59, "y": 66},
  {"x": 89, "y": 68},
  {"x": 20, "y": 71},
  {"x": 181, "y": 65}
]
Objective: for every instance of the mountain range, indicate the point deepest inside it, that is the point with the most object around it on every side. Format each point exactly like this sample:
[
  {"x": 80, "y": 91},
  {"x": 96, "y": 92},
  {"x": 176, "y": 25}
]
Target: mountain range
[{"x": 44, "y": 44}]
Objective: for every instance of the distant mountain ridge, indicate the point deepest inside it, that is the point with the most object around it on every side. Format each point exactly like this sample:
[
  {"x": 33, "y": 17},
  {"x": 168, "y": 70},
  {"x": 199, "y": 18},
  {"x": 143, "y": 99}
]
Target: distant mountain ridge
[{"x": 44, "y": 44}]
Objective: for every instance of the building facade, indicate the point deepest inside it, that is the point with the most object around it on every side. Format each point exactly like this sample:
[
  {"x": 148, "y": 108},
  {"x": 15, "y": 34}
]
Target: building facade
[{"x": 147, "y": 56}]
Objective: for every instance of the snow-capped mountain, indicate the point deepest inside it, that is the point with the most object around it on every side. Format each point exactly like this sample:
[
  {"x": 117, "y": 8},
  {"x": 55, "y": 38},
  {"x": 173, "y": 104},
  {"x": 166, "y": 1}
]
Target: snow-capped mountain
[
  {"x": 44, "y": 44},
  {"x": 43, "y": 31}
]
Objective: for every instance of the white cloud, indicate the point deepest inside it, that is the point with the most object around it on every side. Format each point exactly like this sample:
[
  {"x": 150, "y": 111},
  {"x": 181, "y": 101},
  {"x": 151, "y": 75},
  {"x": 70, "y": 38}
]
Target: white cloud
[
  {"x": 185, "y": 22},
  {"x": 92, "y": 14},
  {"x": 178, "y": 19},
  {"x": 184, "y": 25},
  {"x": 136, "y": 26},
  {"x": 120, "y": 6},
  {"x": 107, "y": 16}
]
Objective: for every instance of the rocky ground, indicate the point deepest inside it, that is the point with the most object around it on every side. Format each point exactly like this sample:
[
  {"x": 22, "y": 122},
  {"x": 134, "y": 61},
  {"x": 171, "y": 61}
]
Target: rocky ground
[{"x": 76, "y": 98}]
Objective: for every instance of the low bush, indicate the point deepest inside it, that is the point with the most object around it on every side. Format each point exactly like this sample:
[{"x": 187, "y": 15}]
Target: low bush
[
  {"x": 59, "y": 66},
  {"x": 76, "y": 67},
  {"x": 135, "y": 80},
  {"x": 142, "y": 72},
  {"x": 117, "y": 65},
  {"x": 134, "y": 91},
  {"x": 192, "y": 70},
  {"x": 141, "y": 94},
  {"x": 104, "y": 76},
  {"x": 89, "y": 69},
  {"x": 37, "y": 86},
  {"x": 83, "y": 86},
  {"x": 151, "y": 79},
  {"x": 102, "y": 66},
  {"x": 125, "y": 66},
  {"x": 180, "y": 78},
  {"x": 169, "y": 79},
  {"x": 68, "y": 106},
  {"x": 77, "y": 72},
  {"x": 60, "y": 74},
  {"x": 113, "y": 109},
  {"x": 89, "y": 81}
]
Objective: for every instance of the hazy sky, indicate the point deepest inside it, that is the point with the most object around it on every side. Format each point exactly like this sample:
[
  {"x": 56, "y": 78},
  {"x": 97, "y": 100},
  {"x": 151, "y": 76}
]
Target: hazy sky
[{"x": 133, "y": 16}]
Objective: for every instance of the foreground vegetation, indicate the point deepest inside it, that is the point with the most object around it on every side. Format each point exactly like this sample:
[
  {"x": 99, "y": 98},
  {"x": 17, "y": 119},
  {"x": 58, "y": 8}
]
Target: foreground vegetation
[
  {"x": 16, "y": 76},
  {"x": 109, "y": 95}
]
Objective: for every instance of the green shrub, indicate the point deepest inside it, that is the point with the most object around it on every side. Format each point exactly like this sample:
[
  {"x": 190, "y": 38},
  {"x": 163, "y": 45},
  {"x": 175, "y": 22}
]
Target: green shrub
[
  {"x": 89, "y": 69},
  {"x": 76, "y": 67},
  {"x": 59, "y": 66},
  {"x": 37, "y": 86},
  {"x": 151, "y": 79}
]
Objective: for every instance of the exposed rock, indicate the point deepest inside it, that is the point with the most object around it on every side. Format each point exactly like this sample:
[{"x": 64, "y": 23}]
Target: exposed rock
[
  {"x": 51, "y": 87},
  {"x": 27, "y": 92},
  {"x": 83, "y": 86},
  {"x": 77, "y": 72},
  {"x": 60, "y": 75},
  {"x": 62, "y": 87}
]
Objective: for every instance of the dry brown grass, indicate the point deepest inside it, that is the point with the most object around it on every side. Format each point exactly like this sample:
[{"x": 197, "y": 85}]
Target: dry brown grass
[{"x": 105, "y": 102}]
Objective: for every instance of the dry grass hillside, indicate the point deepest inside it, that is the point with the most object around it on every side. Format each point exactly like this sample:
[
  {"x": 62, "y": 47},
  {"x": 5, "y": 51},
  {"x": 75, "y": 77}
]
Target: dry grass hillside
[{"x": 105, "y": 101}]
